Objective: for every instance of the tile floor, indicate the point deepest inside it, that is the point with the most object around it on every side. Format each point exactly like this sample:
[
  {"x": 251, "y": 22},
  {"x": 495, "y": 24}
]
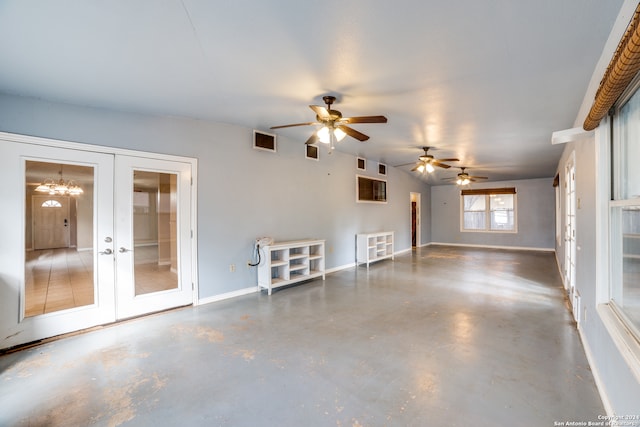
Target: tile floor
[
  {"x": 441, "y": 336},
  {"x": 59, "y": 279}
]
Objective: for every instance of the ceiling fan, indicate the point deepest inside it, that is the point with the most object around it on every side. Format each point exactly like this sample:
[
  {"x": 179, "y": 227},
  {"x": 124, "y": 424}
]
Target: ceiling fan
[
  {"x": 334, "y": 126},
  {"x": 463, "y": 178},
  {"x": 426, "y": 162}
]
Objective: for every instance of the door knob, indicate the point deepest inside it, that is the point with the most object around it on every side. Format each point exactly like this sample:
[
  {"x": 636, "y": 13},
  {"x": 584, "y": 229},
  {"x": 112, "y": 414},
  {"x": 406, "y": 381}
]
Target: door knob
[
  {"x": 123, "y": 250},
  {"x": 107, "y": 251}
]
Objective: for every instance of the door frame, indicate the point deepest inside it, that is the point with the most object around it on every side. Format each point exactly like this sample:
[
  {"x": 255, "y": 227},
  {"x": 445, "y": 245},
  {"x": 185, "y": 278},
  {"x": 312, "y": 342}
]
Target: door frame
[
  {"x": 570, "y": 234},
  {"x": 415, "y": 197},
  {"x": 18, "y": 324}
]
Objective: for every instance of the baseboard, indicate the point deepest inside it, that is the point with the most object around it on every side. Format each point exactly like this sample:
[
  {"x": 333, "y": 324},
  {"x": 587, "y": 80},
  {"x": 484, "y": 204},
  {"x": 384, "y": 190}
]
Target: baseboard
[
  {"x": 228, "y": 295},
  {"x": 596, "y": 375},
  {"x": 84, "y": 249},
  {"x": 342, "y": 267},
  {"x": 402, "y": 251},
  {"x": 515, "y": 248}
]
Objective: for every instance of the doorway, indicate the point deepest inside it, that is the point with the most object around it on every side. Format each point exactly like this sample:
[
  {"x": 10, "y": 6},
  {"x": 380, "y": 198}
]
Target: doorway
[
  {"x": 119, "y": 245},
  {"x": 414, "y": 200}
]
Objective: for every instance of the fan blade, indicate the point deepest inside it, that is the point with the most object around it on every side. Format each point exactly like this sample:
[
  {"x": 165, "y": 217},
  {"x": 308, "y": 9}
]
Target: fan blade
[
  {"x": 321, "y": 112},
  {"x": 313, "y": 139},
  {"x": 353, "y": 133},
  {"x": 479, "y": 177},
  {"x": 447, "y": 160},
  {"x": 440, "y": 165},
  {"x": 364, "y": 119},
  {"x": 295, "y": 124},
  {"x": 450, "y": 178},
  {"x": 415, "y": 168},
  {"x": 404, "y": 164}
]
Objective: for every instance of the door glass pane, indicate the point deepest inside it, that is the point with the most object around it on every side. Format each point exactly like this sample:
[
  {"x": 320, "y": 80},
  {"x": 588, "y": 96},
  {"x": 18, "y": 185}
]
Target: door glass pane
[
  {"x": 155, "y": 231},
  {"x": 58, "y": 237}
]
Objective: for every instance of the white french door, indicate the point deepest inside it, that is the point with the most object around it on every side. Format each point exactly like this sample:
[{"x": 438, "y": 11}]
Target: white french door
[
  {"x": 131, "y": 230},
  {"x": 25, "y": 272},
  {"x": 570, "y": 236},
  {"x": 153, "y": 235}
]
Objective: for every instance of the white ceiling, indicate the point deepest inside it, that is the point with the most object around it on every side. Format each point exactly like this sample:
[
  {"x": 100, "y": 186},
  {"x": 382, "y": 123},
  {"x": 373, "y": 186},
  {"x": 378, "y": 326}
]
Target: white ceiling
[{"x": 486, "y": 81}]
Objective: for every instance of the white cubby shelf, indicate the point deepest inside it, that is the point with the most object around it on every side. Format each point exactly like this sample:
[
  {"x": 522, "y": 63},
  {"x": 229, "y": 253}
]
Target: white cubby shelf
[
  {"x": 372, "y": 247},
  {"x": 286, "y": 263}
]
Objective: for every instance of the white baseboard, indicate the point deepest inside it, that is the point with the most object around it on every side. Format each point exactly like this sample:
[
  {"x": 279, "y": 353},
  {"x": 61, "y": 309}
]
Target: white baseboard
[
  {"x": 596, "y": 375},
  {"x": 84, "y": 249},
  {"x": 228, "y": 295},
  {"x": 515, "y": 248},
  {"x": 342, "y": 267},
  {"x": 402, "y": 251}
]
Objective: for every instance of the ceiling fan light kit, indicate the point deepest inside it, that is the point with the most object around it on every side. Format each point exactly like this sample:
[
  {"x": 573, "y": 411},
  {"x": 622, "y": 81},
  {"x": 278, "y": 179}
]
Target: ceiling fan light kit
[
  {"x": 427, "y": 163},
  {"x": 463, "y": 178},
  {"x": 333, "y": 126}
]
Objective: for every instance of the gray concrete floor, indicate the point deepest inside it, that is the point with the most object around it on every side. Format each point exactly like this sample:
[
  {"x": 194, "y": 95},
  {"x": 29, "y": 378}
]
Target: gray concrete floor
[{"x": 442, "y": 336}]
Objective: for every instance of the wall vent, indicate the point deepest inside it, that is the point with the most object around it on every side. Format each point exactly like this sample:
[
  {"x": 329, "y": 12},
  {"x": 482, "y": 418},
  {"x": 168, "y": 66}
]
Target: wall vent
[{"x": 264, "y": 141}]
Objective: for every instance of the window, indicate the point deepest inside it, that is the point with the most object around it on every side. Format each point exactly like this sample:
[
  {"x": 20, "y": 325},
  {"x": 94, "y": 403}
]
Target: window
[
  {"x": 51, "y": 204},
  {"x": 370, "y": 189},
  {"x": 491, "y": 209},
  {"x": 624, "y": 212}
]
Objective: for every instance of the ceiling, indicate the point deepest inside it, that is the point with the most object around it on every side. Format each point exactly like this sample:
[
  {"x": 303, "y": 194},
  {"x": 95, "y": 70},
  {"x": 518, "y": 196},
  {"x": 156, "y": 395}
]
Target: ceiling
[{"x": 484, "y": 81}]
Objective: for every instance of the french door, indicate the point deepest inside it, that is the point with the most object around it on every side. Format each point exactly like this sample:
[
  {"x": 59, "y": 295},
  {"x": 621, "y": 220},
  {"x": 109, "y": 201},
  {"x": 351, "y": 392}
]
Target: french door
[
  {"x": 153, "y": 235},
  {"x": 127, "y": 248}
]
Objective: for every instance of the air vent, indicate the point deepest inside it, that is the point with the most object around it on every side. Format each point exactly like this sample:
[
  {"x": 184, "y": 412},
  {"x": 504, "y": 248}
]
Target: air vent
[{"x": 264, "y": 141}]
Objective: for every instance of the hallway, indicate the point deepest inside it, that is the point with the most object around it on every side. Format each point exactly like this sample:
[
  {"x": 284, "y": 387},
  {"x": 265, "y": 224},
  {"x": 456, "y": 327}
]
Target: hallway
[{"x": 440, "y": 336}]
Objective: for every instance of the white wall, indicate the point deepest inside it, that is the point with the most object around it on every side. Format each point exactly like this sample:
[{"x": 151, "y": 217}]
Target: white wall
[
  {"x": 616, "y": 382},
  {"x": 243, "y": 193},
  {"x": 535, "y": 216}
]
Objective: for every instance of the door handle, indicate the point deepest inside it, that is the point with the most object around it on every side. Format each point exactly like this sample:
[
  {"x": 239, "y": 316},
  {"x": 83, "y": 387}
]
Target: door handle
[
  {"x": 123, "y": 250},
  {"x": 107, "y": 251}
]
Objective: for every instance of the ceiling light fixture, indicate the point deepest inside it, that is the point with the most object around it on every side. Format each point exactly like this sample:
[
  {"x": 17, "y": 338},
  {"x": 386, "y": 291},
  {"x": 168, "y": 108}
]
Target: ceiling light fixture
[
  {"x": 60, "y": 187},
  {"x": 425, "y": 167},
  {"x": 325, "y": 133},
  {"x": 329, "y": 134},
  {"x": 463, "y": 181}
]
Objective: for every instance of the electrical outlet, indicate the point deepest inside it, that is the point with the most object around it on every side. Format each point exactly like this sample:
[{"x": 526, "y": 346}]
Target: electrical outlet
[{"x": 232, "y": 268}]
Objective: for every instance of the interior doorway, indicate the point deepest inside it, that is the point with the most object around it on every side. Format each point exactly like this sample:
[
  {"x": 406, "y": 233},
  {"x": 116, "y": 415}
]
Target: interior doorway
[{"x": 414, "y": 200}]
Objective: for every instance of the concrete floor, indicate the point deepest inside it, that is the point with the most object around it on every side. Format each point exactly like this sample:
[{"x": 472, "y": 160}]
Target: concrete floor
[{"x": 441, "y": 336}]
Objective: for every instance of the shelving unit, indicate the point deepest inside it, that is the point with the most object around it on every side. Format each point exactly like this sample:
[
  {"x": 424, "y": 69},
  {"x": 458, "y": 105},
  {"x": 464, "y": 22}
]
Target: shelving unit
[
  {"x": 372, "y": 247},
  {"x": 286, "y": 263}
]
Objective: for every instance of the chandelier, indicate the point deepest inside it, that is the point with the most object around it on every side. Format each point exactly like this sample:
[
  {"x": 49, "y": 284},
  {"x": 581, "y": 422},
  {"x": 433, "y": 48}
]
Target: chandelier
[{"x": 59, "y": 187}]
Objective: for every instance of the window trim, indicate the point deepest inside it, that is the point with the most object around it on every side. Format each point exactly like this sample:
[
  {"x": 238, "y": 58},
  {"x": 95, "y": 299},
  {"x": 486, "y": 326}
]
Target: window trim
[
  {"x": 622, "y": 331},
  {"x": 487, "y": 192}
]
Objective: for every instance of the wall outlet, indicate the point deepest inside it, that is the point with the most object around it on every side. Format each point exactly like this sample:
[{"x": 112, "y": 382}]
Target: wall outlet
[{"x": 232, "y": 268}]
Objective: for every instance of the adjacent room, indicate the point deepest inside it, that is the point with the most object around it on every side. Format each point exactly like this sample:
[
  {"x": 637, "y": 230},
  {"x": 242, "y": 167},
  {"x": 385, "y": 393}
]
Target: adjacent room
[{"x": 279, "y": 213}]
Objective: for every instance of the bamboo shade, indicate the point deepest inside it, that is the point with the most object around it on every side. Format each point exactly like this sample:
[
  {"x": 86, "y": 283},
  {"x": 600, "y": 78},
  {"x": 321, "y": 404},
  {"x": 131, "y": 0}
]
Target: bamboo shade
[
  {"x": 480, "y": 191},
  {"x": 623, "y": 67}
]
